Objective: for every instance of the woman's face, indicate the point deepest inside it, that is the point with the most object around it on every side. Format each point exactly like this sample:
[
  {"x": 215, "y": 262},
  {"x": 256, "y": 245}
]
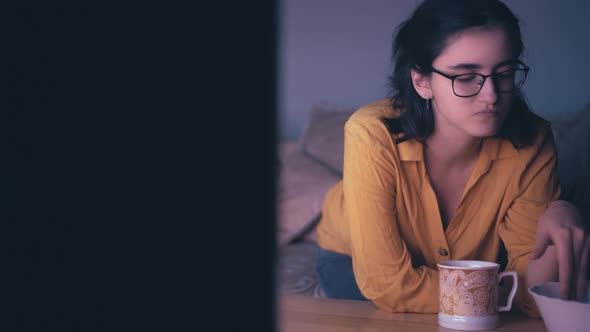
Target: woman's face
[{"x": 476, "y": 50}]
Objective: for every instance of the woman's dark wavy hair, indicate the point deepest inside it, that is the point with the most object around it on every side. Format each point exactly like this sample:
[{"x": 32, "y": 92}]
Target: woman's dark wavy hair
[{"x": 421, "y": 39}]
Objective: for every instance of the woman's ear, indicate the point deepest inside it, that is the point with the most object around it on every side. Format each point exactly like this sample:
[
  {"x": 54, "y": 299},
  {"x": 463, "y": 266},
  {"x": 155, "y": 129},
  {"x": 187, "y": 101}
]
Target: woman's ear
[{"x": 421, "y": 83}]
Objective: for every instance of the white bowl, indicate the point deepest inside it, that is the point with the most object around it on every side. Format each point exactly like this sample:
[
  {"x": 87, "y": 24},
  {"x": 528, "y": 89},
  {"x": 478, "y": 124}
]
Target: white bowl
[{"x": 561, "y": 315}]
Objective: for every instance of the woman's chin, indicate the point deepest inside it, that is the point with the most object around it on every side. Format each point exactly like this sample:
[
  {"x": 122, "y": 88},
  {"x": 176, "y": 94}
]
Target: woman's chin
[
  {"x": 484, "y": 131},
  {"x": 486, "y": 124}
]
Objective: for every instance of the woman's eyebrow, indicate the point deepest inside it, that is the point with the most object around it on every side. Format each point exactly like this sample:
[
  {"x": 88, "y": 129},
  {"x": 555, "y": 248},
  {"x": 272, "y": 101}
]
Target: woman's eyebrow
[
  {"x": 466, "y": 66},
  {"x": 478, "y": 66},
  {"x": 506, "y": 62}
]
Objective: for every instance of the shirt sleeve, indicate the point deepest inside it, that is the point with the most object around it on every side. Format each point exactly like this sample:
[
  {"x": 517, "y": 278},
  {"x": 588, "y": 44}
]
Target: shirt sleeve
[
  {"x": 538, "y": 186},
  {"x": 381, "y": 261}
]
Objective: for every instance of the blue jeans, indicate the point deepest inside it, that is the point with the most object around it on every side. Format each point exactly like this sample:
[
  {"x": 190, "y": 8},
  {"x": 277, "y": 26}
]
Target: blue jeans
[{"x": 336, "y": 275}]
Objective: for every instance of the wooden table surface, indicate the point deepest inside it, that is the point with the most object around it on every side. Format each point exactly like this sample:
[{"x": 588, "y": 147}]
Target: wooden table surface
[{"x": 307, "y": 314}]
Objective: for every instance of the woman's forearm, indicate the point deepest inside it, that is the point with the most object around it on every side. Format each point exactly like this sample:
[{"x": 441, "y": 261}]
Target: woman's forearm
[{"x": 543, "y": 269}]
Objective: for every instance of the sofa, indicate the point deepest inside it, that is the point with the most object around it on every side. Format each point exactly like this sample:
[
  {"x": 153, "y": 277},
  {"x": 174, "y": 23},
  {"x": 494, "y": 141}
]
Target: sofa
[{"x": 310, "y": 166}]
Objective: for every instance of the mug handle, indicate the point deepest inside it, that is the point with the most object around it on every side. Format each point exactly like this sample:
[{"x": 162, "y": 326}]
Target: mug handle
[{"x": 512, "y": 274}]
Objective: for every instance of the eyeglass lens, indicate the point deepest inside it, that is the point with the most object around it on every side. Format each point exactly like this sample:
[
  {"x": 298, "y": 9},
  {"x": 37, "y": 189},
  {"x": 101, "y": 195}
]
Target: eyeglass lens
[{"x": 506, "y": 81}]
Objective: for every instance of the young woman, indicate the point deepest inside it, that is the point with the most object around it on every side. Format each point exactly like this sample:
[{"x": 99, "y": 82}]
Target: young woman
[{"x": 453, "y": 166}]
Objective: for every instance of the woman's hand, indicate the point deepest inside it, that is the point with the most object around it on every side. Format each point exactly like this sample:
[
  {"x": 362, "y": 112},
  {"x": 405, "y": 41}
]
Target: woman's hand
[{"x": 561, "y": 227}]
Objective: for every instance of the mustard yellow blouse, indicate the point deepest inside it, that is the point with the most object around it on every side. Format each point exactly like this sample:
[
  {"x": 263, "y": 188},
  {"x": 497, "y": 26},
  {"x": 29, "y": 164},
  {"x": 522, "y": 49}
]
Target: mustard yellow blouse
[{"x": 385, "y": 215}]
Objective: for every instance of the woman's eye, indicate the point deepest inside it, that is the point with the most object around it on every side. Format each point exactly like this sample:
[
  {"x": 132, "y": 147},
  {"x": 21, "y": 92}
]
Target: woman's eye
[
  {"x": 466, "y": 78},
  {"x": 506, "y": 76}
]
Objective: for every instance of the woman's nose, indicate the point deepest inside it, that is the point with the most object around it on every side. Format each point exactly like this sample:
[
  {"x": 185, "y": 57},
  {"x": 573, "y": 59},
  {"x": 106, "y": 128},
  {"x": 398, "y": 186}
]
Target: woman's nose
[{"x": 488, "y": 92}]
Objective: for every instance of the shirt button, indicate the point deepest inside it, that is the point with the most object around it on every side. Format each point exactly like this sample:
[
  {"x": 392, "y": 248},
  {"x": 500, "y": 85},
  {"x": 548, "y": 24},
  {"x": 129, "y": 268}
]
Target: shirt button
[{"x": 443, "y": 252}]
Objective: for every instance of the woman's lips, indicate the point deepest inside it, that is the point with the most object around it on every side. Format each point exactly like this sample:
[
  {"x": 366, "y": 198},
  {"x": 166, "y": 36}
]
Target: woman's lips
[{"x": 488, "y": 113}]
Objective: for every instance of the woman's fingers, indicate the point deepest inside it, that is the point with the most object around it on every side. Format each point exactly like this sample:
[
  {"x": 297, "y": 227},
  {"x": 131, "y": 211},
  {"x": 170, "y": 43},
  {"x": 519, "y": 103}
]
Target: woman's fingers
[
  {"x": 582, "y": 284},
  {"x": 577, "y": 235},
  {"x": 561, "y": 226},
  {"x": 541, "y": 244},
  {"x": 565, "y": 257}
]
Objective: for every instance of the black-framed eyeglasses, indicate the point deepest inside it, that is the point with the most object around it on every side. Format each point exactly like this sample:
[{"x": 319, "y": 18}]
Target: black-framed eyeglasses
[{"x": 470, "y": 84}]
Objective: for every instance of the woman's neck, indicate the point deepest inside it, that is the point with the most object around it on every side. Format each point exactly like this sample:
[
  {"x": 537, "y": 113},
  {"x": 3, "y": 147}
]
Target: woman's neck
[{"x": 450, "y": 151}]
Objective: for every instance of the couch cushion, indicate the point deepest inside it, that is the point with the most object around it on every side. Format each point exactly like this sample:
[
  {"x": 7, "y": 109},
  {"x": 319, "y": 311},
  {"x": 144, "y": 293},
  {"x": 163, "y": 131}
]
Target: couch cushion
[
  {"x": 303, "y": 183},
  {"x": 323, "y": 136},
  {"x": 296, "y": 269}
]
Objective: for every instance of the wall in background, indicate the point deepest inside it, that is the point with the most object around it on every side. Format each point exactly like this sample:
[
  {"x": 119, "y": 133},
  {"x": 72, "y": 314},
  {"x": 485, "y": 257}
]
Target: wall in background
[{"x": 339, "y": 51}]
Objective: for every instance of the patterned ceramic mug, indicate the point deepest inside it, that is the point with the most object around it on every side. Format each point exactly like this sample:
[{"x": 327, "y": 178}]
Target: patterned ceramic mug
[{"x": 469, "y": 294}]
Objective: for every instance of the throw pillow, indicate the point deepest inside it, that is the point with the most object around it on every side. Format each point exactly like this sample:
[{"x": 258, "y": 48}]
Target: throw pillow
[
  {"x": 303, "y": 183},
  {"x": 572, "y": 139},
  {"x": 323, "y": 136}
]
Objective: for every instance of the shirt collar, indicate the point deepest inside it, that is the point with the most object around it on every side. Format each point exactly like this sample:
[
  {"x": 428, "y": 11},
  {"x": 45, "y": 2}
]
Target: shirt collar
[
  {"x": 410, "y": 150},
  {"x": 498, "y": 148},
  {"x": 494, "y": 148}
]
